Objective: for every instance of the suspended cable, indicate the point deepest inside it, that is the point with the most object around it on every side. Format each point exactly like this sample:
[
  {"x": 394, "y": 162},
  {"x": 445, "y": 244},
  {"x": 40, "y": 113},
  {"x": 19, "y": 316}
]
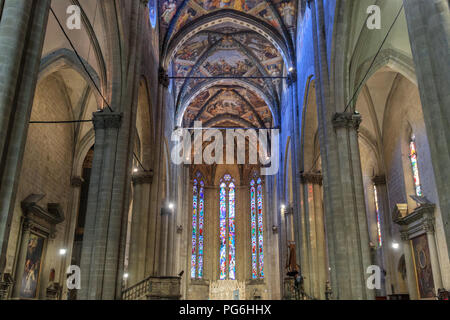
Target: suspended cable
[
  {"x": 229, "y": 77},
  {"x": 373, "y": 61},
  {"x": 140, "y": 163},
  {"x": 80, "y": 59},
  {"x": 315, "y": 162},
  {"x": 228, "y": 128},
  {"x": 56, "y": 122}
]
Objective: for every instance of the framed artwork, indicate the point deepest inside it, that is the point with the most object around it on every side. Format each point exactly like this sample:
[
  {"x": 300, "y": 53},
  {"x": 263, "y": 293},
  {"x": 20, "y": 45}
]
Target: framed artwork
[
  {"x": 424, "y": 272},
  {"x": 32, "y": 271}
]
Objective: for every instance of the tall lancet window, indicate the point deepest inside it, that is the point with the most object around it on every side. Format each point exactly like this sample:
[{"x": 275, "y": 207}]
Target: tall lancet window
[
  {"x": 198, "y": 214},
  {"x": 227, "y": 230},
  {"x": 257, "y": 228},
  {"x": 377, "y": 212},
  {"x": 414, "y": 166}
]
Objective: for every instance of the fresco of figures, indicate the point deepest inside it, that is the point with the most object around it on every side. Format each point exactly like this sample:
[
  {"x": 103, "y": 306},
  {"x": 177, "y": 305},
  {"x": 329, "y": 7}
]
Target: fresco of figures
[
  {"x": 232, "y": 63},
  {"x": 260, "y": 47},
  {"x": 186, "y": 58},
  {"x": 287, "y": 10},
  {"x": 226, "y": 52},
  {"x": 274, "y": 12},
  {"x": 228, "y": 100}
]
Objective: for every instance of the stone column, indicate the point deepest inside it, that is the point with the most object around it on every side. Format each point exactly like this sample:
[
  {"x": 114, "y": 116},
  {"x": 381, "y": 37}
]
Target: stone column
[
  {"x": 312, "y": 238},
  {"x": 22, "y": 30},
  {"x": 14, "y": 26},
  {"x": 139, "y": 226},
  {"x": 71, "y": 225},
  {"x": 22, "y": 256},
  {"x": 429, "y": 34},
  {"x": 320, "y": 238},
  {"x": 318, "y": 273},
  {"x": 410, "y": 269},
  {"x": 303, "y": 236},
  {"x": 154, "y": 259},
  {"x": 165, "y": 217},
  {"x": 295, "y": 156},
  {"x": 429, "y": 228},
  {"x": 95, "y": 240},
  {"x": 334, "y": 220},
  {"x": 171, "y": 246},
  {"x": 385, "y": 226},
  {"x": 350, "y": 192}
]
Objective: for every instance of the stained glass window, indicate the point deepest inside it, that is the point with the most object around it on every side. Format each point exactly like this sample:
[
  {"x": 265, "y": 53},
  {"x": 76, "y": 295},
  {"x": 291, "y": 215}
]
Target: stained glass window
[
  {"x": 223, "y": 231},
  {"x": 200, "y": 230},
  {"x": 198, "y": 214},
  {"x": 232, "y": 232},
  {"x": 260, "y": 229},
  {"x": 152, "y": 12},
  {"x": 414, "y": 166},
  {"x": 253, "y": 229},
  {"x": 227, "y": 228},
  {"x": 377, "y": 211},
  {"x": 194, "y": 230},
  {"x": 257, "y": 228}
]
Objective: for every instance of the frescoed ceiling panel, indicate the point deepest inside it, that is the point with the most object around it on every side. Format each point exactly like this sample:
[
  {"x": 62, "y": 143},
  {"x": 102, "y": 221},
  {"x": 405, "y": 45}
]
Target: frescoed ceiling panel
[
  {"x": 227, "y": 69},
  {"x": 178, "y": 13},
  {"x": 227, "y": 106},
  {"x": 226, "y": 51}
]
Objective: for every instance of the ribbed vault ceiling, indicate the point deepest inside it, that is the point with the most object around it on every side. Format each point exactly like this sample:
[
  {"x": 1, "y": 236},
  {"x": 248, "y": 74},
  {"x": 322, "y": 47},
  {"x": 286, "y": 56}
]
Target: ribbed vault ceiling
[{"x": 226, "y": 58}]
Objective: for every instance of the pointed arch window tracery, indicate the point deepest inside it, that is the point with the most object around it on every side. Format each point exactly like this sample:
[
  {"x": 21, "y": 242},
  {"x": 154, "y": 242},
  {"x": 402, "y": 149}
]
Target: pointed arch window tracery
[
  {"x": 227, "y": 228},
  {"x": 198, "y": 215},
  {"x": 415, "y": 166},
  {"x": 257, "y": 228}
]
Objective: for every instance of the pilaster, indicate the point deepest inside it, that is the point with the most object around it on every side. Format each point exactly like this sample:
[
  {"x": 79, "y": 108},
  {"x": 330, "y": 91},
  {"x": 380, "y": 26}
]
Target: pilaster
[{"x": 139, "y": 226}]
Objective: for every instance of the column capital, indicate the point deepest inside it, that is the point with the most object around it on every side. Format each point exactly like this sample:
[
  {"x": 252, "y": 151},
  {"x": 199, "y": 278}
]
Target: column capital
[
  {"x": 291, "y": 78},
  {"x": 379, "y": 180},
  {"x": 428, "y": 225},
  {"x": 107, "y": 120},
  {"x": 311, "y": 177},
  {"x": 76, "y": 182},
  {"x": 143, "y": 177},
  {"x": 404, "y": 235},
  {"x": 163, "y": 78},
  {"x": 347, "y": 120},
  {"x": 26, "y": 224},
  {"x": 289, "y": 210}
]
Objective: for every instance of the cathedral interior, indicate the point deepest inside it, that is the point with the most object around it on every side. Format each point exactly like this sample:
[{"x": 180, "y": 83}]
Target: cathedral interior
[{"x": 349, "y": 199}]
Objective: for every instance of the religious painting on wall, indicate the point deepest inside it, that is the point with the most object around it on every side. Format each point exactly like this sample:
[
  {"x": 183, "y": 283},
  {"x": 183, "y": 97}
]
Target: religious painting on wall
[
  {"x": 33, "y": 262},
  {"x": 424, "y": 272}
]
